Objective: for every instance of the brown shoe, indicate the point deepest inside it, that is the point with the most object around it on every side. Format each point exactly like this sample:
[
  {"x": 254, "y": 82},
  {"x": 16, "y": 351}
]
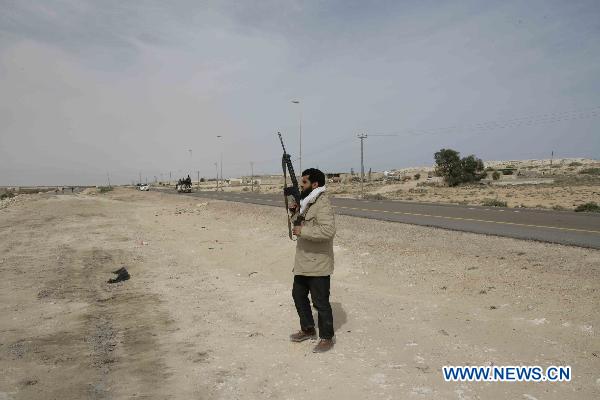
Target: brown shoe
[
  {"x": 303, "y": 335},
  {"x": 324, "y": 345}
]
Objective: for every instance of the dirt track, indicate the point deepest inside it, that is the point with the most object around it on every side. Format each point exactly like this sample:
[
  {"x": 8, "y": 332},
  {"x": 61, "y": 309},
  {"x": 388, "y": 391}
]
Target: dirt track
[{"x": 208, "y": 309}]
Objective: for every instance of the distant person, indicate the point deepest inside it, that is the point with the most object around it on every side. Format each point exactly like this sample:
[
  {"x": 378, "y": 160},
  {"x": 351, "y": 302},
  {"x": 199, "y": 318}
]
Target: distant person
[
  {"x": 313, "y": 264},
  {"x": 72, "y": 189}
]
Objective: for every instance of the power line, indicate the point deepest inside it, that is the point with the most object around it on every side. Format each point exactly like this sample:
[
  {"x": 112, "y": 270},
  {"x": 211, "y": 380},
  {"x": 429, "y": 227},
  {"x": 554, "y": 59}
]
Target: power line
[{"x": 530, "y": 120}]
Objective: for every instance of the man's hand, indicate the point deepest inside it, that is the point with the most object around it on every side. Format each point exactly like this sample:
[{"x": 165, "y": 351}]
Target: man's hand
[
  {"x": 293, "y": 207},
  {"x": 297, "y": 230}
]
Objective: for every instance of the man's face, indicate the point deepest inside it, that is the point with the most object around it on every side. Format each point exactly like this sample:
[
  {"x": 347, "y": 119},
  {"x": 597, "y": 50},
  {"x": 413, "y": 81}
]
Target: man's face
[{"x": 306, "y": 186}]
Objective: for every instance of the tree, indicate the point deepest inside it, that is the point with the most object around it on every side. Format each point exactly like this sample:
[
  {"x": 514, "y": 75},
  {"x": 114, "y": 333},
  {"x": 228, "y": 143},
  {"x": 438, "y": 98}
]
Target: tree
[
  {"x": 472, "y": 169},
  {"x": 448, "y": 166},
  {"x": 455, "y": 170}
]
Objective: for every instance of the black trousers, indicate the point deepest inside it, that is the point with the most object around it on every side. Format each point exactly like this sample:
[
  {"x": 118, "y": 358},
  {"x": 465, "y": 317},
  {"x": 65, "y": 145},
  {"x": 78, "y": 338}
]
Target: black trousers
[{"x": 318, "y": 287}]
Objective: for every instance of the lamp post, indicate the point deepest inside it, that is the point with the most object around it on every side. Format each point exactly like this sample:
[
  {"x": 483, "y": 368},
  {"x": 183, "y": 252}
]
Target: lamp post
[
  {"x": 220, "y": 137},
  {"x": 252, "y": 175},
  {"x": 217, "y": 172},
  {"x": 191, "y": 166},
  {"x": 300, "y": 157}
]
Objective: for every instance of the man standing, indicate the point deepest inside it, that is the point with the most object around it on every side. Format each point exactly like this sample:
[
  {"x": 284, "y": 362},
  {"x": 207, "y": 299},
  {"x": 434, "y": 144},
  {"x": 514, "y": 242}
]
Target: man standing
[{"x": 313, "y": 263}]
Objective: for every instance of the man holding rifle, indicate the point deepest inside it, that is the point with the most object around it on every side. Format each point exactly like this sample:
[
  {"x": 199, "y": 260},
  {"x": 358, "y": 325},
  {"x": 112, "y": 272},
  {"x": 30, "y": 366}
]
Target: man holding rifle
[{"x": 314, "y": 228}]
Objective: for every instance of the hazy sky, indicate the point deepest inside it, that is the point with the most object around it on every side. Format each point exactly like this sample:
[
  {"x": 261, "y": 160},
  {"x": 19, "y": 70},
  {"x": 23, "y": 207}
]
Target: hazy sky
[{"x": 90, "y": 87}]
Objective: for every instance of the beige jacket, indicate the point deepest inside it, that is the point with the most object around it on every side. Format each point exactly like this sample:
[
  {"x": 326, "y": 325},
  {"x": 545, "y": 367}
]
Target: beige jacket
[{"x": 314, "y": 248}]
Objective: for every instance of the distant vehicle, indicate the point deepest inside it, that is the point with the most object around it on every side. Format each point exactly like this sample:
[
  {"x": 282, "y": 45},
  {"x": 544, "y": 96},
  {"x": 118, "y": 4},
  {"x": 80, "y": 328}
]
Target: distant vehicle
[
  {"x": 144, "y": 188},
  {"x": 183, "y": 188},
  {"x": 184, "y": 185}
]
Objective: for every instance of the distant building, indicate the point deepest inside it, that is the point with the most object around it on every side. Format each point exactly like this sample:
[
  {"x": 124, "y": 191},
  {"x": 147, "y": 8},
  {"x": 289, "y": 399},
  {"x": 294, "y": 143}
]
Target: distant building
[{"x": 235, "y": 181}]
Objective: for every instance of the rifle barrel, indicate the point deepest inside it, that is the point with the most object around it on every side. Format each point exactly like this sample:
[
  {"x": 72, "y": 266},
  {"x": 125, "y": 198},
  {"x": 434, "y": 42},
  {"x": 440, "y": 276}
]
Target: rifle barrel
[{"x": 282, "y": 145}]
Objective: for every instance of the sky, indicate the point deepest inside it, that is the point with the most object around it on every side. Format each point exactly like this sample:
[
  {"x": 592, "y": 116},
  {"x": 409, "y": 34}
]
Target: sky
[{"x": 98, "y": 89}]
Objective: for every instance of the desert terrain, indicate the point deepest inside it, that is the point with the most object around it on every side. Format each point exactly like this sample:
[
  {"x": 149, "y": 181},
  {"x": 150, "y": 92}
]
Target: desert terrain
[
  {"x": 559, "y": 184},
  {"x": 208, "y": 309}
]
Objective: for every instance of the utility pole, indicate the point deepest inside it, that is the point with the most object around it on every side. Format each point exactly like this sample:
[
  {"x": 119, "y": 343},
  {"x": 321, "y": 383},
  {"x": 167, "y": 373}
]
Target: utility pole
[
  {"x": 252, "y": 175},
  {"x": 140, "y": 181},
  {"x": 169, "y": 178},
  {"x": 108, "y": 177},
  {"x": 551, "y": 158},
  {"x": 362, "y": 137},
  {"x": 198, "y": 179},
  {"x": 221, "y": 144}
]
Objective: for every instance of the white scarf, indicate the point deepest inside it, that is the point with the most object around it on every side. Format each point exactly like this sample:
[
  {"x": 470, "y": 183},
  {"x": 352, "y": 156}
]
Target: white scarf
[{"x": 310, "y": 198}]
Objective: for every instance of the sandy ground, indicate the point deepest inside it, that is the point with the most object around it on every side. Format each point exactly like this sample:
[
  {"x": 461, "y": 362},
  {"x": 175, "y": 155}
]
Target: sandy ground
[
  {"x": 535, "y": 184},
  {"x": 208, "y": 310},
  {"x": 558, "y": 196}
]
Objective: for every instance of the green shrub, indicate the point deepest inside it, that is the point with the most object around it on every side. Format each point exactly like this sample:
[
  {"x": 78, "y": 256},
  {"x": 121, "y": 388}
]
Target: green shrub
[
  {"x": 104, "y": 189},
  {"x": 590, "y": 171},
  {"x": 496, "y": 175},
  {"x": 493, "y": 203},
  {"x": 575, "y": 164},
  {"x": 7, "y": 195},
  {"x": 377, "y": 196},
  {"x": 588, "y": 207},
  {"x": 417, "y": 177}
]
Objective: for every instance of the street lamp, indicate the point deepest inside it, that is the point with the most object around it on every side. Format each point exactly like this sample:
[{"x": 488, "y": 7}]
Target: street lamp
[
  {"x": 217, "y": 172},
  {"x": 300, "y": 157},
  {"x": 191, "y": 167},
  {"x": 252, "y": 175},
  {"x": 220, "y": 137}
]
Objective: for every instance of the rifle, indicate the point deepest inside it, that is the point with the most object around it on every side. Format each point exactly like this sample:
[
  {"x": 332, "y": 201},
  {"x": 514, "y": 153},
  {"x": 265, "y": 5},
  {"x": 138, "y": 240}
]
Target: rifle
[{"x": 294, "y": 190}]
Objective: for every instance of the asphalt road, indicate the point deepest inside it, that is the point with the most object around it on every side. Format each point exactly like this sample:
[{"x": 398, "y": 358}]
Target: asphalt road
[{"x": 564, "y": 227}]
